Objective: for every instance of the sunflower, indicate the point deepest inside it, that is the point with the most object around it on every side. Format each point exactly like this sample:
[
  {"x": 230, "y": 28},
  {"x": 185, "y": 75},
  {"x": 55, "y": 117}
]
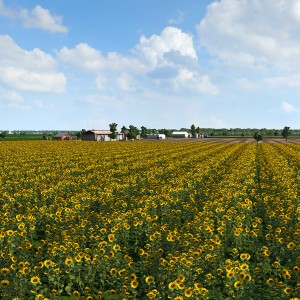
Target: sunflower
[
  {"x": 245, "y": 256},
  {"x": 113, "y": 271},
  {"x": 5, "y": 270},
  {"x": 35, "y": 280},
  {"x": 244, "y": 267},
  {"x": 48, "y": 263},
  {"x": 149, "y": 279},
  {"x": 116, "y": 247},
  {"x": 111, "y": 237},
  {"x": 69, "y": 261},
  {"x": 172, "y": 285},
  {"x": 230, "y": 274},
  {"x": 238, "y": 284},
  {"x": 76, "y": 294},
  {"x": 188, "y": 292},
  {"x": 5, "y": 282},
  {"x": 287, "y": 290},
  {"x": 134, "y": 284},
  {"x": 122, "y": 272}
]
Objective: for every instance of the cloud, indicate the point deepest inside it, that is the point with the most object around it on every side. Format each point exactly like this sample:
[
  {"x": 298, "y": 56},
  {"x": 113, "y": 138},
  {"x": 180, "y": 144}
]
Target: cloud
[
  {"x": 167, "y": 61},
  {"x": 171, "y": 39},
  {"x": 5, "y": 11},
  {"x": 13, "y": 55},
  {"x": 38, "y": 17},
  {"x": 12, "y": 95},
  {"x": 41, "y": 18},
  {"x": 258, "y": 35},
  {"x": 246, "y": 83},
  {"x": 12, "y": 100},
  {"x": 125, "y": 83},
  {"x": 83, "y": 57},
  {"x": 290, "y": 81},
  {"x": 287, "y": 107},
  {"x": 40, "y": 104},
  {"x": 25, "y": 80},
  {"x": 28, "y": 70},
  {"x": 217, "y": 123},
  {"x": 195, "y": 82},
  {"x": 179, "y": 19}
]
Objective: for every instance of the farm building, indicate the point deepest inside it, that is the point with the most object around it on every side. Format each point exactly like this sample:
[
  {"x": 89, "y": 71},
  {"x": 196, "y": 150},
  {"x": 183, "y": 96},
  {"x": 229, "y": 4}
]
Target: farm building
[
  {"x": 180, "y": 134},
  {"x": 156, "y": 136},
  {"x": 63, "y": 136},
  {"x": 100, "y": 135},
  {"x": 198, "y": 135}
]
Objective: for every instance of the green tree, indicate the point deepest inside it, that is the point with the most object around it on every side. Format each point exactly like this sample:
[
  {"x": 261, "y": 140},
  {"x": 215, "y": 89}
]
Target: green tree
[
  {"x": 285, "y": 132},
  {"x": 144, "y": 132},
  {"x": 79, "y": 134},
  {"x": 257, "y": 136},
  {"x": 113, "y": 129},
  {"x": 166, "y": 132},
  {"x": 132, "y": 132},
  {"x": 3, "y": 134},
  {"x": 193, "y": 130}
]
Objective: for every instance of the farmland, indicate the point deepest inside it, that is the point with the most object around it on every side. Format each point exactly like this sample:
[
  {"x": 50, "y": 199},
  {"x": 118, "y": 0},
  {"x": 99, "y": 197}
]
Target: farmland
[{"x": 149, "y": 220}]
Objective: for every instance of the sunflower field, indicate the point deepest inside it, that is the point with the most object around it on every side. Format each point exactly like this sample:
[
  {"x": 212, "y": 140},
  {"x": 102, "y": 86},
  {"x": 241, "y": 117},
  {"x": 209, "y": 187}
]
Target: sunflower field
[{"x": 149, "y": 220}]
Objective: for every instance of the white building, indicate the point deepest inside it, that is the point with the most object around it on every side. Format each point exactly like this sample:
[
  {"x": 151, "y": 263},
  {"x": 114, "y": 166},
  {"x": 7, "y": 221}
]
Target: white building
[
  {"x": 180, "y": 134},
  {"x": 100, "y": 135}
]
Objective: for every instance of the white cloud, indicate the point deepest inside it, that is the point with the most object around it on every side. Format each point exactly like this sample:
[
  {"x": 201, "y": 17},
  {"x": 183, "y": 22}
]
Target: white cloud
[
  {"x": 12, "y": 96},
  {"x": 42, "y": 18},
  {"x": 171, "y": 39},
  {"x": 168, "y": 61},
  {"x": 257, "y": 34},
  {"x": 28, "y": 70},
  {"x": 82, "y": 56},
  {"x": 38, "y": 17},
  {"x": 5, "y": 11},
  {"x": 124, "y": 82},
  {"x": 217, "y": 123},
  {"x": 179, "y": 19},
  {"x": 12, "y": 55},
  {"x": 246, "y": 83},
  {"x": 287, "y": 107},
  {"x": 290, "y": 81},
  {"x": 195, "y": 82},
  {"x": 101, "y": 82},
  {"x": 25, "y": 80},
  {"x": 40, "y": 104}
]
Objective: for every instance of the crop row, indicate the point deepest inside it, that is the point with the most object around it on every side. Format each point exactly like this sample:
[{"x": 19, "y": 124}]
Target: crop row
[{"x": 141, "y": 220}]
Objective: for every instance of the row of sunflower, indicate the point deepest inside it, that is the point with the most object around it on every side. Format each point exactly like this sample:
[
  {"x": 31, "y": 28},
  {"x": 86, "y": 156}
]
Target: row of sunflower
[{"x": 149, "y": 220}]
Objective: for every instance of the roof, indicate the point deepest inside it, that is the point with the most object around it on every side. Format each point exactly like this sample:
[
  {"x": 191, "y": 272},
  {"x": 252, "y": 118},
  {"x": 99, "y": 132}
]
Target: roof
[
  {"x": 98, "y": 132},
  {"x": 61, "y": 134},
  {"x": 180, "y": 132}
]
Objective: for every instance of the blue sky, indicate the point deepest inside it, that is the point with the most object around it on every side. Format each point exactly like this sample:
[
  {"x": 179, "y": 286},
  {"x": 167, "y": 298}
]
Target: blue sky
[{"x": 161, "y": 64}]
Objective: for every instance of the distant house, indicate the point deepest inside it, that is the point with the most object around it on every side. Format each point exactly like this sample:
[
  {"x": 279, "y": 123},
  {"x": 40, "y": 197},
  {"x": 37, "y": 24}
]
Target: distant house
[
  {"x": 180, "y": 134},
  {"x": 100, "y": 135},
  {"x": 156, "y": 136},
  {"x": 63, "y": 136}
]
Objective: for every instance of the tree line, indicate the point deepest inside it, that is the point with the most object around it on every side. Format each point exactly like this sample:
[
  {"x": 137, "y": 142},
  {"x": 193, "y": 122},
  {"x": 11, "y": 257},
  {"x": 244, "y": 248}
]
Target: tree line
[
  {"x": 132, "y": 132},
  {"x": 258, "y": 136}
]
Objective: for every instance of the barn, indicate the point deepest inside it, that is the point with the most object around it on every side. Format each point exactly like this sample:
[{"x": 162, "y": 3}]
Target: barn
[
  {"x": 180, "y": 134},
  {"x": 156, "y": 136},
  {"x": 100, "y": 135},
  {"x": 62, "y": 136}
]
